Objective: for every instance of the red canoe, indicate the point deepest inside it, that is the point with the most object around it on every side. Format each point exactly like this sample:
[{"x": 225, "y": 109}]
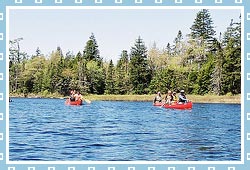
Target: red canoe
[
  {"x": 78, "y": 102},
  {"x": 188, "y": 105}
]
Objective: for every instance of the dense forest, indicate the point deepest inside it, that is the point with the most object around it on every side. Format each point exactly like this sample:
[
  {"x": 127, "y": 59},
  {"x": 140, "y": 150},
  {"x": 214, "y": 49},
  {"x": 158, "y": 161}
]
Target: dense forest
[{"x": 202, "y": 62}]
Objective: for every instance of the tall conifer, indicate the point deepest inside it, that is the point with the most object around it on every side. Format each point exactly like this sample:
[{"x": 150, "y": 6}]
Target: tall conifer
[
  {"x": 91, "y": 51},
  {"x": 122, "y": 76},
  {"x": 109, "y": 84},
  {"x": 140, "y": 75},
  {"x": 202, "y": 28}
]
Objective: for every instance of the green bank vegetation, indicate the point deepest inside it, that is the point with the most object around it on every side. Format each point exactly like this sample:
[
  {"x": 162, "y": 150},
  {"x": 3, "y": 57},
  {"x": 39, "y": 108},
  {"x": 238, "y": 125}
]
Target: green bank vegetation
[
  {"x": 195, "y": 98},
  {"x": 236, "y": 99},
  {"x": 201, "y": 63}
]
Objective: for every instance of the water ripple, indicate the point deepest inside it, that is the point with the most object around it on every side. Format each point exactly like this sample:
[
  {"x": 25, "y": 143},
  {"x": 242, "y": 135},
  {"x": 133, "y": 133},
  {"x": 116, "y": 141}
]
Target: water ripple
[{"x": 122, "y": 131}]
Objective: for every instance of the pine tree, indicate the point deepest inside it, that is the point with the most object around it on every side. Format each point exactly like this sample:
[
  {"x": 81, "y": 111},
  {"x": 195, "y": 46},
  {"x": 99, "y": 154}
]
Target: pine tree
[
  {"x": 169, "y": 49},
  {"x": 231, "y": 80},
  {"x": 38, "y": 52},
  {"x": 140, "y": 75},
  {"x": 163, "y": 81},
  {"x": 82, "y": 73},
  {"x": 95, "y": 77},
  {"x": 122, "y": 75},
  {"x": 202, "y": 28},
  {"x": 231, "y": 74},
  {"x": 46, "y": 88},
  {"x": 110, "y": 84},
  {"x": 91, "y": 51},
  {"x": 92, "y": 60},
  {"x": 233, "y": 32},
  {"x": 56, "y": 68},
  {"x": 177, "y": 43},
  {"x": 204, "y": 78}
]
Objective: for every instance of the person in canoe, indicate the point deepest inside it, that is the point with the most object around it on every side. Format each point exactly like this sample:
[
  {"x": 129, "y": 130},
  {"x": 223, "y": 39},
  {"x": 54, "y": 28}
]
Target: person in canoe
[
  {"x": 169, "y": 97},
  {"x": 72, "y": 95},
  {"x": 78, "y": 96},
  {"x": 158, "y": 98},
  {"x": 175, "y": 98},
  {"x": 182, "y": 97}
]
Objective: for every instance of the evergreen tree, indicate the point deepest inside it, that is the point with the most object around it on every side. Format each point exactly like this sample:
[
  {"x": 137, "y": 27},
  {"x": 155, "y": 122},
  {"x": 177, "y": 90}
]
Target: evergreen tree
[
  {"x": 140, "y": 75},
  {"x": 179, "y": 37},
  {"x": 82, "y": 74},
  {"x": 95, "y": 78},
  {"x": 69, "y": 59},
  {"x": 91, "y": 51},
  {"x": 55, "y": 71},
  {"x": 46, "y": 88},
  {"x": 110, "y": 84},
  {"x": 192, "y": 81},
  {"x": 122, "y": 74},
  {"x": 233, "y": 32},
  {"x": 38, "y": 52},
  {"x": 177, "y": 43},
  {"x": 231, "y": 80},
  {"x": 204, "y": 78},
  {"x": 202, "y": 28},
  {"x": 231, "y": 73},
  {"x": 163, "y": 81},
  {"x": 169, "y": 49},
  {"x": 91, "y": 60}
]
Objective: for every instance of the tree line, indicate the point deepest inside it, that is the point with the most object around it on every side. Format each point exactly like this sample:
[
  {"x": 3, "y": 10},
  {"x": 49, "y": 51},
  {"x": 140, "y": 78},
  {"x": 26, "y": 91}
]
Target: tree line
[{"x": 200, "y": 63}]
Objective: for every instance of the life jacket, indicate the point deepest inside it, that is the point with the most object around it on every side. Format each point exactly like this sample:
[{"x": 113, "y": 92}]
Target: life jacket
[
  {"x": 158, "y": 99},
  {"x": 169, "y": 97},
  {"x": 72, "y": 98},
  {"x": 183, "y": 96},
  {"x": 175, "y": 99}
]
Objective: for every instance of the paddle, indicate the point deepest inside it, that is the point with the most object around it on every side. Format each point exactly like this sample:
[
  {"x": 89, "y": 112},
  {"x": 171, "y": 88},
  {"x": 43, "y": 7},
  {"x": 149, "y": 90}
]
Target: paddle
[
  {"x": 86, "y": 100},
  {"x": 163, "y": 103}
]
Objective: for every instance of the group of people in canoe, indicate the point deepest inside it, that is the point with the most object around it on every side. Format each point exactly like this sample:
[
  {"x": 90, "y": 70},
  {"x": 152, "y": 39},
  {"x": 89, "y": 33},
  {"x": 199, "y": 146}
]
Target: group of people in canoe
[
  {"x": 75, "y": 95},
  {"x": 76, "y": 98},
  {"x": 171, "y": 98}
]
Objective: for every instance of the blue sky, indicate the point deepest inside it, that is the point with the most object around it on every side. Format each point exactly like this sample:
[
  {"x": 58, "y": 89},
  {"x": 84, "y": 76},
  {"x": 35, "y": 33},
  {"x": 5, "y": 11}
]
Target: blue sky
[{"x": 115, "y": 30}]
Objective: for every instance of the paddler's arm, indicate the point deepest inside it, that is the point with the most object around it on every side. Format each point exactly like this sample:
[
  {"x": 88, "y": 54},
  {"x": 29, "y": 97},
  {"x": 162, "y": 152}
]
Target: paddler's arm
[{"x": 183, "y": 98}]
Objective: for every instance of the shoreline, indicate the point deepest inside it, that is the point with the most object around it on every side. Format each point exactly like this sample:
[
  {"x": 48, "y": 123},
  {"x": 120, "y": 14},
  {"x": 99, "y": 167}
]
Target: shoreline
[{"x": 145, "y": 98}]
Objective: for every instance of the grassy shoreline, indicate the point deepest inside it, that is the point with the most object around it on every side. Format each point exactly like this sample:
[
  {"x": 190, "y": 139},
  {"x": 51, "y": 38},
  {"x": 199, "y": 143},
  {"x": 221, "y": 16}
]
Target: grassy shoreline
[{"x": 195, "y": 98}]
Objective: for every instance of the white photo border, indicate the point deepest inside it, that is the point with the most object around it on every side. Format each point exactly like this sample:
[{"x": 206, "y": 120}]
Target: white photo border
[{"x": 5, "y": 6}]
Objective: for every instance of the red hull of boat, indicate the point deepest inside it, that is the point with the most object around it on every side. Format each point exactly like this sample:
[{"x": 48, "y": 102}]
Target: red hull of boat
[
  {"x": 77, "y": 103},
  {"x": 188, "y": 105}
]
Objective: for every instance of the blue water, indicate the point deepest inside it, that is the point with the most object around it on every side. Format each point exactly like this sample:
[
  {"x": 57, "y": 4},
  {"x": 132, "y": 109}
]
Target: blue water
[{"x": 48, "y": 130}]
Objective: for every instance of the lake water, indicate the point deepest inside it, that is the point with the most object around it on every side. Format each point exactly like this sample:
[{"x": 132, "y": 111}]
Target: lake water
[{"x": 48, "y": 130}]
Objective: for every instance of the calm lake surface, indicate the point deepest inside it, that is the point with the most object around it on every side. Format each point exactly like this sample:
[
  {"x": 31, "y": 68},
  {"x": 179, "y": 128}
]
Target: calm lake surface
[{"x": 48, "y": 130}]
